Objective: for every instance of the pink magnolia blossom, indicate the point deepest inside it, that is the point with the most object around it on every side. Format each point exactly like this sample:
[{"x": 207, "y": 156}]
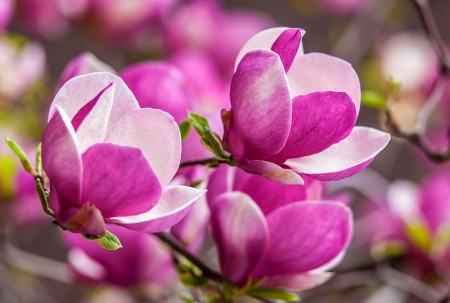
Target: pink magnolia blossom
[
  {"x": 411, "y": 207},
  {"x": 293, "y": 113},
  {"x": 21, "y": 69},
  {"x": 142, "y": 263},
  {"x": 6, "y": 10},
  {"x": 344, "y": 7},
  {"x": 290, "y": 238},
  {"x": 108, "y": 160}
]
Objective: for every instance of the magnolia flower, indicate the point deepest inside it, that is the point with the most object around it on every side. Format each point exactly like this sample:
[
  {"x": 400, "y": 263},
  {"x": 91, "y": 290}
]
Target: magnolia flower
[
  {"x": 108, "y": 160},
  {"x": 294, "y": 113},
  {"x": 142, "y": 263},
  {"x": 290, "y": 241}
]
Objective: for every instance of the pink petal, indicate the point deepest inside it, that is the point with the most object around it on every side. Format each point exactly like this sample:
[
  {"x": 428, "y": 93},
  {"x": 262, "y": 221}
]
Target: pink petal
[
  {"x": 116, "y": 102},
  {"x": 156, "y": 134},
  {"x": 61, "y": 159},
  {"x": 265, "y": 40},
  {"x": 220, "y": 181},
  {"x": 361, "y": 146},
  {"x": 319, "y": 120},
  {"x": 160, "y": 85},
  {"x": 240, "y": 232},
  {"x": 271, "y": 195},
  {"x": 435, "y": 199},
  {"x": 119, "y": 181},
  {"x": 319, "y": 72},
  {"x": 270, "y": 171},
  {"x": 305, "y": 236},
  {"x": 87, "y": 220},
  {"x": 261, "y": 106},
  {"x": 298, "y": 282},
  {"x": 175, "y": 203},
  {"x": 83, "y": 64},
  {"x": 287, "y": 45}
]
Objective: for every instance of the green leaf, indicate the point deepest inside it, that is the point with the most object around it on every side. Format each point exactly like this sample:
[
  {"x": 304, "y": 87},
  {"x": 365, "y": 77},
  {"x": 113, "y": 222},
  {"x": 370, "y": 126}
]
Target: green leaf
[
  {"x": 187, "y": 298},
  {"x": 209, "y": 139},
  {"x": 185, "y": 129},
  {"x": 22, "y": 156},
  {"x": 7, "y": 170},
  {"x": 191, "y": 280},
  {"x": 109, "y": 241},
  {"x": 419, "y": 234},
  {"x": 373, "y": 99},
  {"x": 274, "y": 293}
]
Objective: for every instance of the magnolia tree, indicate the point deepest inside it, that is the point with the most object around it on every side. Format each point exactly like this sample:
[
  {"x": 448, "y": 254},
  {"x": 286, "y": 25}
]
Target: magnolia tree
[{"x": 200, "y": 180}]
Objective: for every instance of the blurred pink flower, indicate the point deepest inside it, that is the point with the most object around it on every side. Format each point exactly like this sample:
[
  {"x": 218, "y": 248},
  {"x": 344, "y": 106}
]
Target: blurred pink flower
[
  {"x": 6, "y": 11},
  {"x": 344, "y": 7},
  {"x": 21, "y": 69},
  {"x": 203, "y": 25},
  {"x": 295, "y": 114},
  {"x": 290, "y": 238},
  {"x": 143, "y": 263},
  {"x": 108, "y": 160}
]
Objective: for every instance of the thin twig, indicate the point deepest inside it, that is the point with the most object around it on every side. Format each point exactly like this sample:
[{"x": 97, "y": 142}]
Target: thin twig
[
  {"x": 211, "y": 162},
  {"x": 409, "y": 285},
  {"x": 429, "y": 24},
  {"x": 175, "y": 245}
]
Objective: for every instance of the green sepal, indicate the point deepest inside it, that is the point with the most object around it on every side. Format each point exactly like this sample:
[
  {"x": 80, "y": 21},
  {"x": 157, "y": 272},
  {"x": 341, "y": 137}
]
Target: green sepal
[
  {"x": 209, "y": 139},
  {"x": 22, "y": 156},
  {"x": 274, "y": 293},
  {"x": 39, "y": 159},
  {"x": 109, "y": 241},
  {"x": 185, "y": 129},
  {"x": 373, "y": 99}
]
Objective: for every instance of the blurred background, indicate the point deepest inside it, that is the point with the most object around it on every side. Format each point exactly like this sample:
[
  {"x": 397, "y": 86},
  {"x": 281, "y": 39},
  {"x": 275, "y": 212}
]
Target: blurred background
[{"x": 401, "y": 203}]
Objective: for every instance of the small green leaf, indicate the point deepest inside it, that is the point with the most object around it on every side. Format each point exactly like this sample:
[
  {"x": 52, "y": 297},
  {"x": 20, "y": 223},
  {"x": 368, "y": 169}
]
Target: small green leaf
[
  {"x": 22, "y": 156},
  {"x": 419, "y": 234},
  {"x": 109, "y": 241},
  {"x": 209, "y": 139},
  {"x": 187, "y": 298},
  {"x": 7, "y": 172},
  {"x": 373, "y": 99},
  {"x": 185, "y": 129},
  {"x": 274, "y": 293},
  {"x": 191, "y": 280},
  {"x": 198, "y": 122}
]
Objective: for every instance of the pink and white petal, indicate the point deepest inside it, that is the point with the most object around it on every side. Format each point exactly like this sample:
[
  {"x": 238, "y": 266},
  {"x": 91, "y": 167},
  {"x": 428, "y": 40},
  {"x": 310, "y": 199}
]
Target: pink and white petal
[
  {"x": 319, "y": 72},
  {"x": 261, "y": 106},
  {"x": 298, "y": 282},
  {"x": 61, "y": 158},
  {"x": 80, "y": 90},
  {"x": 156, "y": 134},
  {"x": 119, "y": 181},
  {"x": 287, "y": 45},
  {"x": 240, "y": 232},
  {"x": 270, "y": 171},
  {"x": 220, "y": 181},
  {"x": 344, "y": 158},
  {"x": 305, "y": 236},
  {"x": 265, "y": 40},
  {"x": 319, "y": 120},
  {"x": 271, "y": 195},
  {"x": 82, "y": 64},
  {"x": 175, "y": 203}
]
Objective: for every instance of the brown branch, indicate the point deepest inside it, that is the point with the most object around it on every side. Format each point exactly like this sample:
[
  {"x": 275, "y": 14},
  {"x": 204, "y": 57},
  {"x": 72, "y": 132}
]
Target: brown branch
[
  {"x": 178, "y": 247},
  {"x": 211, "y": 162}
]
